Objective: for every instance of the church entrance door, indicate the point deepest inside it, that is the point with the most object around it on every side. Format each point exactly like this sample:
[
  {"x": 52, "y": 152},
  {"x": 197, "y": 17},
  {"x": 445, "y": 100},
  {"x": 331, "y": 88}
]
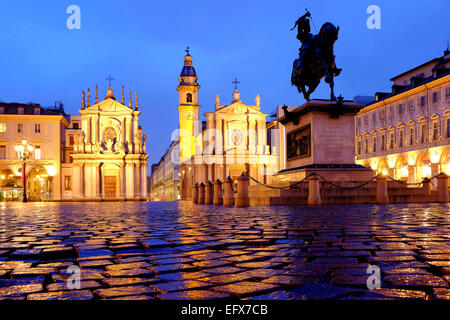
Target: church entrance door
[{"x": 110, "y": 187}]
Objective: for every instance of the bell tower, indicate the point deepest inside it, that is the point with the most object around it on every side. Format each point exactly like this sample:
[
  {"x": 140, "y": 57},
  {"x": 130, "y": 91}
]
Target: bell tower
[{"x": 187, "y": 107}]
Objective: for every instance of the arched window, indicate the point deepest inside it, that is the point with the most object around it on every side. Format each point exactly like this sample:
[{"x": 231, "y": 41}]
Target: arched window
[{"x": 189, "y": 97}]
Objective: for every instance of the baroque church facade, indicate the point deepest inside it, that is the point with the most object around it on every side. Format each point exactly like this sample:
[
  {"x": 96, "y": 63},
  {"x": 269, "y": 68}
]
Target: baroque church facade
[
  {"x": 99, "y": 154},
  {"x": 232, "y": 140},
  {"x": 109, "y": 152}
]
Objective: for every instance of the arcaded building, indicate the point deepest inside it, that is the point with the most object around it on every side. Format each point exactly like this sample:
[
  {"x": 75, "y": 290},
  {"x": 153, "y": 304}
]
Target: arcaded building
[{"x": 405, "y": 134}]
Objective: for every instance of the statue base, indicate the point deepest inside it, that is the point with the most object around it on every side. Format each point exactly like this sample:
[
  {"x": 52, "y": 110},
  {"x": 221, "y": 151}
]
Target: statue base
[{"x": 320, "y": 138}]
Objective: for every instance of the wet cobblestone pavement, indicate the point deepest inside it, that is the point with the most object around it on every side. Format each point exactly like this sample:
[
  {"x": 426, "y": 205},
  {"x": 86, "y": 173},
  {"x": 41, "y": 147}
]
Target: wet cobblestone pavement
[{"x": 187, "y": 251}]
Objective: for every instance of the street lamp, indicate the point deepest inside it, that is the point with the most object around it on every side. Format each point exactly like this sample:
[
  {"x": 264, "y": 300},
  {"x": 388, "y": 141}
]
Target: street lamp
[{"x": 24, "y": 152}]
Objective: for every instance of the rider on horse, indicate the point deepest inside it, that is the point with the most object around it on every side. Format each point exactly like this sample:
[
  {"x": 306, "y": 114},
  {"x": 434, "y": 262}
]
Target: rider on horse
[
  {"x": 316, "y": 58},
  {"x": 304, "y": 34}
]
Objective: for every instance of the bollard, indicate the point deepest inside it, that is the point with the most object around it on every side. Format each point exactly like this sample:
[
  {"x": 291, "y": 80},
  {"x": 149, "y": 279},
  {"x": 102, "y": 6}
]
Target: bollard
[
  {"x": 228, "y": 193},
  {"x": 382, "y": 194},
  {"x": 242, "y": 199},
  {"x": 442, "y": 187},
  {"x": 314, "y": 191},
  {"x": 217, "y": 192},
  {"x": 209, "y": 193},
  {"x": 195, "y": 193},
  {"x": 201, "y": 193},
  {"x": 426, "y": 185}
]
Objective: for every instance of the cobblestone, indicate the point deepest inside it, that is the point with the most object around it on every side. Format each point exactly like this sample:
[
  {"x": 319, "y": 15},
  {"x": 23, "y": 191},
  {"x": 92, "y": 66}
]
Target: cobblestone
[{"x": 144, "y": 251}]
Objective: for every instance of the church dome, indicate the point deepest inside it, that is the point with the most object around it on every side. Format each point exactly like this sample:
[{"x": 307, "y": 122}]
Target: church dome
[{"x": 188, "y": 69}]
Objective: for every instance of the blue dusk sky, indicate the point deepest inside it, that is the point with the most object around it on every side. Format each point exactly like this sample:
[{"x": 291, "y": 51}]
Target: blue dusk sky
[{"x": 141, "y": 43}]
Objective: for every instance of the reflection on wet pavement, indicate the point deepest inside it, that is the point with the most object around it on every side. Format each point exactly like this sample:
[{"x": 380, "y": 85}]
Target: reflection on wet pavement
[{"x": 187, "y": 251}]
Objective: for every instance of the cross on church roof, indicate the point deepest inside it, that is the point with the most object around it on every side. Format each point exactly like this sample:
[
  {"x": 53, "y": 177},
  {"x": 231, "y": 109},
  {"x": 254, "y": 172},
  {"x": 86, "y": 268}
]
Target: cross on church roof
[
  {"x": 110, "y": 79},
  {"x": 236, "y": 82}
]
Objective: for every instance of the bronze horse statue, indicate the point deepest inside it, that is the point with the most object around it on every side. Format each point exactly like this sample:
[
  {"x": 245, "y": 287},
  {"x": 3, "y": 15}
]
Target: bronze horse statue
[{"x": 316, "y": 58}]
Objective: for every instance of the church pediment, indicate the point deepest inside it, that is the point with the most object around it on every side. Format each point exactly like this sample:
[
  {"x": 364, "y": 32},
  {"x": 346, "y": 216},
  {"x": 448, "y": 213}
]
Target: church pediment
[
  {"x": 238, "y": 107},
  {"x": 108, "y": 105}
]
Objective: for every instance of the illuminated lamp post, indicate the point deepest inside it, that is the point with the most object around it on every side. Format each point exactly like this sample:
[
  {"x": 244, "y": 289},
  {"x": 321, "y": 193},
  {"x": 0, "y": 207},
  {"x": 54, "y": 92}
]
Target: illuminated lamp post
[{"x": 24, "y": 152}]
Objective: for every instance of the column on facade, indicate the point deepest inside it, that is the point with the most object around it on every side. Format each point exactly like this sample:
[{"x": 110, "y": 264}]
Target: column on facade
[
  {"x": 260, "y": 134},
  {"x": 129, "y": 177},
  {"x": 209, "y": 134},
  {"x": 95, "y": 180},
  {"x": 137, "y": 179},
  {"x": 88, "y": 131},
  {"x": 251, "y": 137},
  {"x": 225, "y": 136},
  {"x": 218, "y": 172},
  {"x": 129, "y": 133},
  {"x": 144, "y": 178},
  {"x": 95, "y": 128},
  {"x": 88, "y": 193},
  {"x": 76, "y": 181},
  {"x": 264, "y": 135},
  {"x": 135, "y": 131},
  {"x": 210, "y": 170},
  {"x": 219, "y": 137}
]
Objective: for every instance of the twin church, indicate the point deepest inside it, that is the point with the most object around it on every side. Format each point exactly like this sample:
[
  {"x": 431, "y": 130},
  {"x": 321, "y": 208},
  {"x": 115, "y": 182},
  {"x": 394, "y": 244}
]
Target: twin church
[
  {"x": 234, "y": 138},
  {"x": 99, "y": 154}
]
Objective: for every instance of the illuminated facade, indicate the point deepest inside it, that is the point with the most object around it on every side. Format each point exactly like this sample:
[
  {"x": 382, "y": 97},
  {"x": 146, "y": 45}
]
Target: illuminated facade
[
  {"x": 98, "y": 155},
  {"x": 406, "y": 134},
  {"x": 109, "y": 153},
  {"x": 44, "y": 130},
  {"x": 165, "y": 176},
  {"x": 232, "y": 140}
]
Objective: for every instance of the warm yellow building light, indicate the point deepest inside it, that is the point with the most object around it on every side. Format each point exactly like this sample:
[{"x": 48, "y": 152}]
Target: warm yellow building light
[
  {"x": 426, "y": 171},
  {"x": 51, "y": 171},
  {"x": 404, "y": 172},
  {"x": 435, "y": 156},
  {"x": 374, "y": 165},
  {"x": 391, "y": 162}
]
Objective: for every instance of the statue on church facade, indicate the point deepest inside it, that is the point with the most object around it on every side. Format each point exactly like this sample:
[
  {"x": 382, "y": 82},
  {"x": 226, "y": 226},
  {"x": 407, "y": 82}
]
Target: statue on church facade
[{"x": 316, "y": 58}]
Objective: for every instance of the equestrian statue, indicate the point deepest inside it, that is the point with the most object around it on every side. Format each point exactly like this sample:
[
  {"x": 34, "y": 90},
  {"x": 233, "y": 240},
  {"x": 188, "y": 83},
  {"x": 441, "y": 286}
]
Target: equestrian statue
[{"x": 315, "y": 58}]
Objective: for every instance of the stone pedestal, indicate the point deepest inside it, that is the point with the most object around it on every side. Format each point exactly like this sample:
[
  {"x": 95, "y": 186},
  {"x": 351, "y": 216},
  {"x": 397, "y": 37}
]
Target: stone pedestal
[
  {"x": 201, "y": 193},
  {"x": 195, "y": 193},
  {"x": 218, "y": 199},
  {"x": 382, "y": 195},
  {"x": 228, "y": 196},
  {"x": 209, "y": 193},
  {"x": 442, "y": 187},
  {"x": 242, "y": 198},
  {"x": 314, "y": 191},
  {"x": 320, "y": 138}
]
